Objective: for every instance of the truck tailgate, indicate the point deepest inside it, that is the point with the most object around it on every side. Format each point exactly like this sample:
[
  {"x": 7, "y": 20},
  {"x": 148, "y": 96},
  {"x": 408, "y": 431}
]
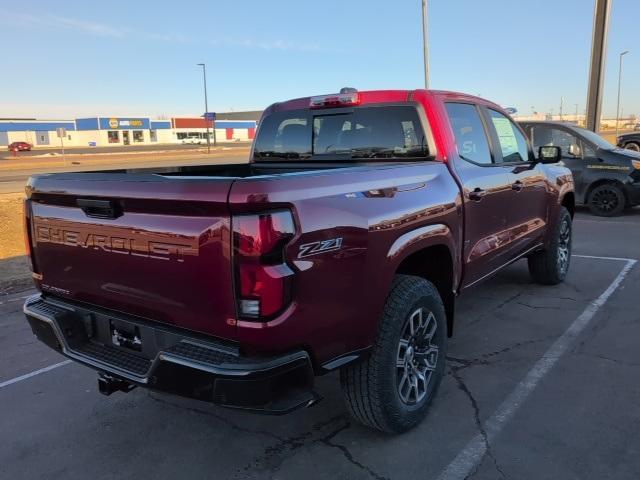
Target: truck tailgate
[{"x": 145, "y": 245}]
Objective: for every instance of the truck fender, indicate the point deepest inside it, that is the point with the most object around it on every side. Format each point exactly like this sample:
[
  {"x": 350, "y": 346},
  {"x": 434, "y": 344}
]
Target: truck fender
[{"x": 410, "y": 245}]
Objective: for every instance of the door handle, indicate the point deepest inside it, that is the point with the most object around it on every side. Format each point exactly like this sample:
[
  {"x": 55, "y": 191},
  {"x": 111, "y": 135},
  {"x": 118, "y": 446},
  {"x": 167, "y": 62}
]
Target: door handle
[
  {"x": 99, "y": 208},
  {"x": 477, "y": 194},
  {"x": 517, "y": 186}
]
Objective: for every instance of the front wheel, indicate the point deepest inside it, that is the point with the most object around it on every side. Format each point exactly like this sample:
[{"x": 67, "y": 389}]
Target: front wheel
[
  {"x": 606, "y": 200},
  {"x": 633, "y": 146},
  {"x": 550, "y": 266},
  {"x": 392, "y": 389}
]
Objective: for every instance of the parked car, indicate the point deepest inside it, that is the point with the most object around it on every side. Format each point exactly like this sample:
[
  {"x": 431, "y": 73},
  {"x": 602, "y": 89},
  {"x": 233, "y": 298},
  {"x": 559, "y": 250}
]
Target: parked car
[
  {"x": 341, "y": 246},
  {"x": 19, "y": 147},
  {"x": 607, "y": 178},
  {"x": 630, "y": 141},
  {"x": 193, "y": 140}
]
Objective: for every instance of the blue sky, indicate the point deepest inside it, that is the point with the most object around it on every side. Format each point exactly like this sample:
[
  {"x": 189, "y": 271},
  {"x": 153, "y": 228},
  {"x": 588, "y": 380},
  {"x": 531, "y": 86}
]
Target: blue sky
[{"x": 62, "y": 59}]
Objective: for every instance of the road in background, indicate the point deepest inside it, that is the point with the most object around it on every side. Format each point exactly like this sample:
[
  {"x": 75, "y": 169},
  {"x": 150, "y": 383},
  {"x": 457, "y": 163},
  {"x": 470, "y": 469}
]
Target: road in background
[
  {"x": 119, "y": 149},
  {"x": 14, "y": 173}
]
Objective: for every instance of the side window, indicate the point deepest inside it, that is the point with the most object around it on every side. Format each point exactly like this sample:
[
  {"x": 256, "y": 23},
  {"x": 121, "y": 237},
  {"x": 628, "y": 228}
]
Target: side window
[
  {"x": 587, "y": 151},
  {"x": 513, "y": 144},
  {"x": 548, "y": 136},
  {"x": 469, "y": 132}
]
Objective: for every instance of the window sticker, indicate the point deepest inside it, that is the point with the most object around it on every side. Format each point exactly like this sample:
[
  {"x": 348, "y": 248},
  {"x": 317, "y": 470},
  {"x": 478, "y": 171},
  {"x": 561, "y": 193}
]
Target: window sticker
[{"x": 508, "y": 141}]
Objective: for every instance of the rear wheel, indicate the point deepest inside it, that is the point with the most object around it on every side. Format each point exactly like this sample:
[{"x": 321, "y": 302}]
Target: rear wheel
[
  {"x": 606, "y": 200},
  {"x": 550, "y": 266},
  {"x": 633, "y": 146},
  {"x": 392, "y": 389}
]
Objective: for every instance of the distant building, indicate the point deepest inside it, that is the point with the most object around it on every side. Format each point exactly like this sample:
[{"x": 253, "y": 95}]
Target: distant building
[{"x": 117, "y": 131}]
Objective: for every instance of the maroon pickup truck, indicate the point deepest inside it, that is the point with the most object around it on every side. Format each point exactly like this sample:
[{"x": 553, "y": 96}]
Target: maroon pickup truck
[{"x": 342, "y": 245}]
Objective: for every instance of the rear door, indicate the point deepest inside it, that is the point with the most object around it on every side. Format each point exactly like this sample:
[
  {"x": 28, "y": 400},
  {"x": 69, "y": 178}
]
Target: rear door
[
  {"x": 529, "y": 200},
  {"x": 487, "y": 193},
  {"x": 146, "y": 245}
]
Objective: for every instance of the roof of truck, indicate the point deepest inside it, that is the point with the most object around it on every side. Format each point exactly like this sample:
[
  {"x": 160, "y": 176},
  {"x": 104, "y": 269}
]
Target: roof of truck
[{"x": 388, "y": 96}]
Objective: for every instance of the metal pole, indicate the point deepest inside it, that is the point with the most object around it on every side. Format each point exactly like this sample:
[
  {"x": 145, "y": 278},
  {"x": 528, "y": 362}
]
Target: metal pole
[
  {"x": 598, "y": 57},
  {"x": 206, "y": 105},
  {"x": 64, "y": 157},
  {"x": 576, "y": 105},
  {"x": 619, "y": 83},
  {"x": 425, "y": 42}
]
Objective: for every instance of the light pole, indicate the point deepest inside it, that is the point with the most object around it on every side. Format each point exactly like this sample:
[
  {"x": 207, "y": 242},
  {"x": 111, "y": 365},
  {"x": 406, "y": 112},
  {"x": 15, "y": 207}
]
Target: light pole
[
  {"x": 619, "y": 83},
  {"x": 206, "y": 105},
  {"x": 425, "y": 42},
  {"x": 576, "y": 105}
]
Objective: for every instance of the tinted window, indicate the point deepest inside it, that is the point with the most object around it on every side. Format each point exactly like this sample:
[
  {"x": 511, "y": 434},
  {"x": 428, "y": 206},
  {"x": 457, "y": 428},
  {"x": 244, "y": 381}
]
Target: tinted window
[
  {"x": 365, "y": 132},
  {"x": 468, "y": 129},
  {"x": 543, "y": 135},
  {"x": 284, "y": 134},
  {"x": 512, "y": 142}
]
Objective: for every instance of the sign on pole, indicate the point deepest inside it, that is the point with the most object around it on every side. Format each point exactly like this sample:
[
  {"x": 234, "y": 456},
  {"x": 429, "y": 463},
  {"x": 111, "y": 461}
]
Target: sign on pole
[
  {"x": 210, "y": 116},
  {"x": 62, "y": 132}
]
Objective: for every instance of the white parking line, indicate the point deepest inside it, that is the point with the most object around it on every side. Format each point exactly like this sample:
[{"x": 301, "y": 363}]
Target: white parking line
[
  {"x": 34, "y": 373},
  {"x": 472, "y": 454},
  {"x": 13, "y": 299},
  {"x": 606, "y": 258}
]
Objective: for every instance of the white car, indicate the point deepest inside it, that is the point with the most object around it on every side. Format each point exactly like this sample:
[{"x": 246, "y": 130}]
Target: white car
[{"x": 192, "y": 141}]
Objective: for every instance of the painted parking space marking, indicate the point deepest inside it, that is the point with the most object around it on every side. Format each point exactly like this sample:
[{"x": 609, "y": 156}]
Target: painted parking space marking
[
  {"x": 473, "y": 453},
  {"x": 618, "y": 259},
  {"x": 34, "y": 373}
]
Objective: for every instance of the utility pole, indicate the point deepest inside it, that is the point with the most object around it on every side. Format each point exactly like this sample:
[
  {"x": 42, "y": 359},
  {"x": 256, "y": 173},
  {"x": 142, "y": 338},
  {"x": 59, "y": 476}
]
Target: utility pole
[
  {"x": 425, "y": 41},
  {"x": 598, "y": 57},
  {"x": 561, "y": 105},
  {"x": 619, "y": 84},
  {"x": 576, "y": 105},
  {"x": 206, "y": 105}
]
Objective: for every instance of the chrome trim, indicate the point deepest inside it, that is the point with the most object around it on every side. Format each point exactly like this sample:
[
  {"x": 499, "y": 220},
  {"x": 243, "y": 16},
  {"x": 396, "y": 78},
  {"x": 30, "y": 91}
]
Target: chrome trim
[{"x": 515, "y": 259}]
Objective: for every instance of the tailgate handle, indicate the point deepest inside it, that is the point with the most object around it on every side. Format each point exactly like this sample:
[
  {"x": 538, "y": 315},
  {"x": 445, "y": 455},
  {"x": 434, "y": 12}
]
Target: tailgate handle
[{"x": 99, "y": 208}]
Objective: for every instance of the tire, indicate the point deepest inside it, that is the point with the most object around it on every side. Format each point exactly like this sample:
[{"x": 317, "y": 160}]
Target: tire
[
  {"x": 550, "y": 266},
  {"x": 606, "y": 200},
  {"x": 633, "y": 146},
  {"x": 379, "y": 391}
]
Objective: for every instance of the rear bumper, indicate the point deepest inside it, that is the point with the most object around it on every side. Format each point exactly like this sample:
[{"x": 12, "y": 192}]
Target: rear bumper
[{"x": 172, "y": 360}]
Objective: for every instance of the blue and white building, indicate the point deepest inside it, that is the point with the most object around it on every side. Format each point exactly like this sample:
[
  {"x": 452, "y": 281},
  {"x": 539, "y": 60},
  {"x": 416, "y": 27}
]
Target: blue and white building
[{"x": 118, "y": 131}]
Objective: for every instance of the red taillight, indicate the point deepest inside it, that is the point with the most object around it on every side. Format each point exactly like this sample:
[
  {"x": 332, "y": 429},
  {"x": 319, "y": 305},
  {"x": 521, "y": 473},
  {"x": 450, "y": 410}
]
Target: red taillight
[
  {"x": 263, "y": 279},
  {"x": 335, "y": 100}
]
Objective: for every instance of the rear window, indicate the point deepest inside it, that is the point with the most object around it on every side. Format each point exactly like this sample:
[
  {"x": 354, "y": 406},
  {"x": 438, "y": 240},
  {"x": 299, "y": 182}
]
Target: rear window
[{"x": 358, "y": 133}]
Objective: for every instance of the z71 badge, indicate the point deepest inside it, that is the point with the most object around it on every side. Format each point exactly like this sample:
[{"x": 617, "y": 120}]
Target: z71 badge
[{"x": 321, "y": 246}]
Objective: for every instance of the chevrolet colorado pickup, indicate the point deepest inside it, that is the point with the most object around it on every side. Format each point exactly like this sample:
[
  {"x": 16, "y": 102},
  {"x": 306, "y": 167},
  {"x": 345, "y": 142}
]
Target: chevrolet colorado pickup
[{"x": 342, "y": 245}]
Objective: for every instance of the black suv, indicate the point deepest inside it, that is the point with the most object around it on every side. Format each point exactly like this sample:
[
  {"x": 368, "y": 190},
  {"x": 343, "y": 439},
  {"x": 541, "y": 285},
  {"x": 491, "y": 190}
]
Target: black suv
[
  {"x": 607, "y": 178},
  {"x": 630, "y": 141}
]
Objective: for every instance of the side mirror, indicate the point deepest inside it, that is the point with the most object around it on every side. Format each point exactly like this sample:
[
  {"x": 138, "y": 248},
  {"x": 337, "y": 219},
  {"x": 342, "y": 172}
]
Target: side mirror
[
  {"x": 549, "y": 154},
  {"x": 574, "y": 150}
]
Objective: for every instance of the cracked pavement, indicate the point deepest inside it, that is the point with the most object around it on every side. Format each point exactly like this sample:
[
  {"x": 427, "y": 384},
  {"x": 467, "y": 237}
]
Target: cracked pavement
[{"x": 580, "y": 423}]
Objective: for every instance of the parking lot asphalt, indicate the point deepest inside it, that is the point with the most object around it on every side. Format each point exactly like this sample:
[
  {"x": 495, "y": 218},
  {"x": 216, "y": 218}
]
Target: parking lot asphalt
[{"x": 542, "y": 383}]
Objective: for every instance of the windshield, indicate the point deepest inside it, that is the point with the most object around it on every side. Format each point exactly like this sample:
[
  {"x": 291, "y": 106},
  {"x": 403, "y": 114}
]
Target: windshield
[
  {"x": 358, "y": 133},
  {"x": 594, "y": 138}
]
